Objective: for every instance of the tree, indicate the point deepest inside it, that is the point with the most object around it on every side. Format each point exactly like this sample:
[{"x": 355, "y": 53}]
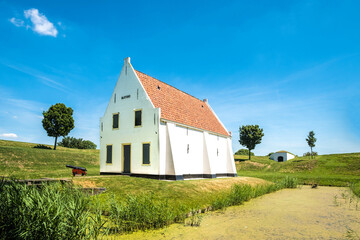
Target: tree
[
  {"x": 250, "y": 136},
  {"x": 311, "y": 141},
  {"x": 58, "y": 121}
]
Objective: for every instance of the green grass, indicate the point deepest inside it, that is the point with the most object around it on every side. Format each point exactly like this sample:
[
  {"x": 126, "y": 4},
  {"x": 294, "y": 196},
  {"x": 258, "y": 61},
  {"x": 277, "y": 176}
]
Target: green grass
[
  {"x": 21, "y": 160},
  {"x": 327, "y": 170}
]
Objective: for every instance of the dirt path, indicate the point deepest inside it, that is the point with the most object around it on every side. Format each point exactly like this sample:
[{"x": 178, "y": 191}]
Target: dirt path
[{"x": 288, "y": 214}]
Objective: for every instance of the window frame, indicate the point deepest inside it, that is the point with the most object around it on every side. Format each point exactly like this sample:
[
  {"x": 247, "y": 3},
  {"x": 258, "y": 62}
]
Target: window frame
[
  {"x": 106, "y": 159},
  {"x": 137, "y": 110},
  {"x": 142, "y": 154},
  {"x": 112, "y": 125}
]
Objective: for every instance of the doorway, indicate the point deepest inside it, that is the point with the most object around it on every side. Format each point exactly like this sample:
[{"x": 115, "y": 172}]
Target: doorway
[
  {"x": 280, "y": 159},
  {"x": 126, "y": 158}
]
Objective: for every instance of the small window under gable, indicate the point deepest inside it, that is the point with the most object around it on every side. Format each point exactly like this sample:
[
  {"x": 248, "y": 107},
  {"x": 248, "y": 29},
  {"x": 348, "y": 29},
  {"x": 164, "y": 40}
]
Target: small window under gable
[
  {"x": 108, "y": 154},
  {"x": 138, "y": 116},
  {"x": 115, "y": 98},
  {"x": 146, "y": 153},
  {"x": 115, "y": 121},
  {"x": 102, "y": 126}
]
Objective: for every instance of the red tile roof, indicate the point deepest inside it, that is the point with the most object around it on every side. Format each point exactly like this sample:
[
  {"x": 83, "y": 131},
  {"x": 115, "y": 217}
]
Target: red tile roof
[{"x": 180, "y": 107}]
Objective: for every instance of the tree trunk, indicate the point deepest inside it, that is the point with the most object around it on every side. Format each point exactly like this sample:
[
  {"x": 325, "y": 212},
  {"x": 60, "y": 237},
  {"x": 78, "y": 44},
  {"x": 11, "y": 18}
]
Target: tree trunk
[
  {"x": 55, "y": 143},
  {"x": 311, "y": 152},
  {"x": 249, "y": 154}
]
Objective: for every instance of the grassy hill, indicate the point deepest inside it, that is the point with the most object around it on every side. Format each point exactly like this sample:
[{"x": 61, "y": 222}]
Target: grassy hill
[
  {"x": 331, "y": 170},
  {"x": 22, "y": 160}
]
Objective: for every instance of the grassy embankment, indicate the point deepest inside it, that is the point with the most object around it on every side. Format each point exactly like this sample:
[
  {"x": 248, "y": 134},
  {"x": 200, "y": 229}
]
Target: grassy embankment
[
  {"x": 20, "y": 159},
  {"x": 128, "y": 204},
  {"x": 149, "y": 197},
  {"x": 326, "y": 170}
]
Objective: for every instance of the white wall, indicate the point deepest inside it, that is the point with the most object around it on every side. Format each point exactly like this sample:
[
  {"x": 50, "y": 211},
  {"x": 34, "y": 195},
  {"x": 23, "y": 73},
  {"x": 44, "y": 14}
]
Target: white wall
[
  {"x": 128, "y": 84},
  {"x": 286, "y": 156},
  {"x": 208, "y": 153}
]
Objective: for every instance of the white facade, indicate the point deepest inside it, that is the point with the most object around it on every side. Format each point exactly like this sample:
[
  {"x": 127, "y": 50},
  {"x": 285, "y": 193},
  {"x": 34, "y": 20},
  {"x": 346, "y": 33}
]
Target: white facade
[
  {"x": 176, "y": 151},
  {"x": 281, "y": 156}
]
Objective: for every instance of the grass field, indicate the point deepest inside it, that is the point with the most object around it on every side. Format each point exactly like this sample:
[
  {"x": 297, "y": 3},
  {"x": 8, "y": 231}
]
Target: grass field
[
  {"x": 20, "y": 159},
  {"x": 327, "y": 170}
]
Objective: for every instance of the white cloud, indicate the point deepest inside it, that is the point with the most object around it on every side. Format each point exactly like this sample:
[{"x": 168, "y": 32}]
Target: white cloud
[
  {"x": 41, "y": 24},
  {"x": 17, "y": 22},
  {"x": 9, "y": 135}
]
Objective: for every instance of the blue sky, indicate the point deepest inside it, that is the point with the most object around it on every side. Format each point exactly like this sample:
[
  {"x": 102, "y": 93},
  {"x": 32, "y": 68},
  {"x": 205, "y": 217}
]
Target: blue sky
[{"x": 288, "y": 66}]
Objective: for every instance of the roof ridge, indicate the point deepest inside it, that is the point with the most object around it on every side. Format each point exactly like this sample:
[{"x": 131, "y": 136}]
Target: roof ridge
[{"x": 170, "y": 86}]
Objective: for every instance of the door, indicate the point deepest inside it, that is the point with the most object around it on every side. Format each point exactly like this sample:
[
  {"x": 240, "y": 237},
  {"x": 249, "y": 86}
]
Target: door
[
  {"x": 126, "y": 157},
  {"x": 280, "y": 159}
]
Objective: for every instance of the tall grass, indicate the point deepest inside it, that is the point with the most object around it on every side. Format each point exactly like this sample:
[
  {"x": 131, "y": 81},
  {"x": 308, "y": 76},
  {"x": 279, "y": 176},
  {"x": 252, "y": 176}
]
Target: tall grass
[
  {"x": 52, "y": 211},
  {"x": 57, "y": 211},
  {"x": 241, "y": 193},
  {"x": 355, "y": 188},
  {"x": 140, "y": 212}
]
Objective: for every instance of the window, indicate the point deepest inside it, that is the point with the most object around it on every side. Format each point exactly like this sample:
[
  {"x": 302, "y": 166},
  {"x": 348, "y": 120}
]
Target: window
[
  {"x": 138, "y": 118},
  {"x": 108, "y": 154},
  {"x": 102, "y": 126},
  {"x": 146, "y": 153},
  {"x": 115, "y": 120},
  {"x": 115, "y": 98}
]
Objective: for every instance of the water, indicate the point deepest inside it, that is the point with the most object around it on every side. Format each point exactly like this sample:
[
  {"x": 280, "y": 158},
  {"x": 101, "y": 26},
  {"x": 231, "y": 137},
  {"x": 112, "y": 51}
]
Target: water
[{"x": 302, "y": 213}]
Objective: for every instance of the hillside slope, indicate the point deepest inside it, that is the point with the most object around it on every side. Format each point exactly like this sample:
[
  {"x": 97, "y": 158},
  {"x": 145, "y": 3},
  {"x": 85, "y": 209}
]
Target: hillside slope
[
  {"x": 21, "y": 160},
  {"x": 331, "y": 170}
]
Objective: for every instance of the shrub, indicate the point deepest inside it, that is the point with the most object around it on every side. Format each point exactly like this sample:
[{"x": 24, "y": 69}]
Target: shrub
[
  {"x": 244, "y": 152},
  {"x": 71, "y": 142},
  {"x": 52, "y": 211},
  {"x": 289, "y": 182},
  {"x": 308, "y": 154},
  {"x": 41, "y": 146}
]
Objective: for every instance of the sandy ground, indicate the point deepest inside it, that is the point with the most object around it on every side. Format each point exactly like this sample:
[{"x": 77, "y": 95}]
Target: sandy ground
[{"x": 302, "y": 213}]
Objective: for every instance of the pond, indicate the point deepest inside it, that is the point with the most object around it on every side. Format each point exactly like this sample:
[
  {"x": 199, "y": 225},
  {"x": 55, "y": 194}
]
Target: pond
[{"x": 303, "y": 213}]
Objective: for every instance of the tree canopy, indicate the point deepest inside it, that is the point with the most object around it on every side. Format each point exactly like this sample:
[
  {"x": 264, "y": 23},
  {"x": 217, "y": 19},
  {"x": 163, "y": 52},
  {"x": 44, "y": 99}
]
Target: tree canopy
[
  {"x": 58, "y": 121},
  {"x": 250, "y": 136},
  {"x": 71, "y": 142}
]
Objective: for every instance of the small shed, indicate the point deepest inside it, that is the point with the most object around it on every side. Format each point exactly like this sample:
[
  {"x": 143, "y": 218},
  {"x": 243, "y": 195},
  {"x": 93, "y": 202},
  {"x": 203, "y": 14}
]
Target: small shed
[{"x": 282, "y": 156}]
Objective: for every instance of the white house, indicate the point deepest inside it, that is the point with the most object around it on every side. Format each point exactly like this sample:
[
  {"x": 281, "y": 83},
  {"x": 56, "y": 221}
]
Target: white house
[
  {"x": 282, "y": 156},
  {"x": 151, "y": 129}
]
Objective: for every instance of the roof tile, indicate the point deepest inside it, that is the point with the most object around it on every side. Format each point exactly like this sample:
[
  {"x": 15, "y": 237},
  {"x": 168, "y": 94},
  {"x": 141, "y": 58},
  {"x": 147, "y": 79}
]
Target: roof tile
[{"x": 180, "y": 107}]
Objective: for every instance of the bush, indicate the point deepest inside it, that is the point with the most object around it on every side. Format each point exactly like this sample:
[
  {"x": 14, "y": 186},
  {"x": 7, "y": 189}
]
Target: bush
[
  {"x": 52, "y": 211},
  {"x": 71, "y": 142},
  {"x": 244, "y": 152},
  {"x": 41, "y": 146},
  {"x": 308, "y": 154}
]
